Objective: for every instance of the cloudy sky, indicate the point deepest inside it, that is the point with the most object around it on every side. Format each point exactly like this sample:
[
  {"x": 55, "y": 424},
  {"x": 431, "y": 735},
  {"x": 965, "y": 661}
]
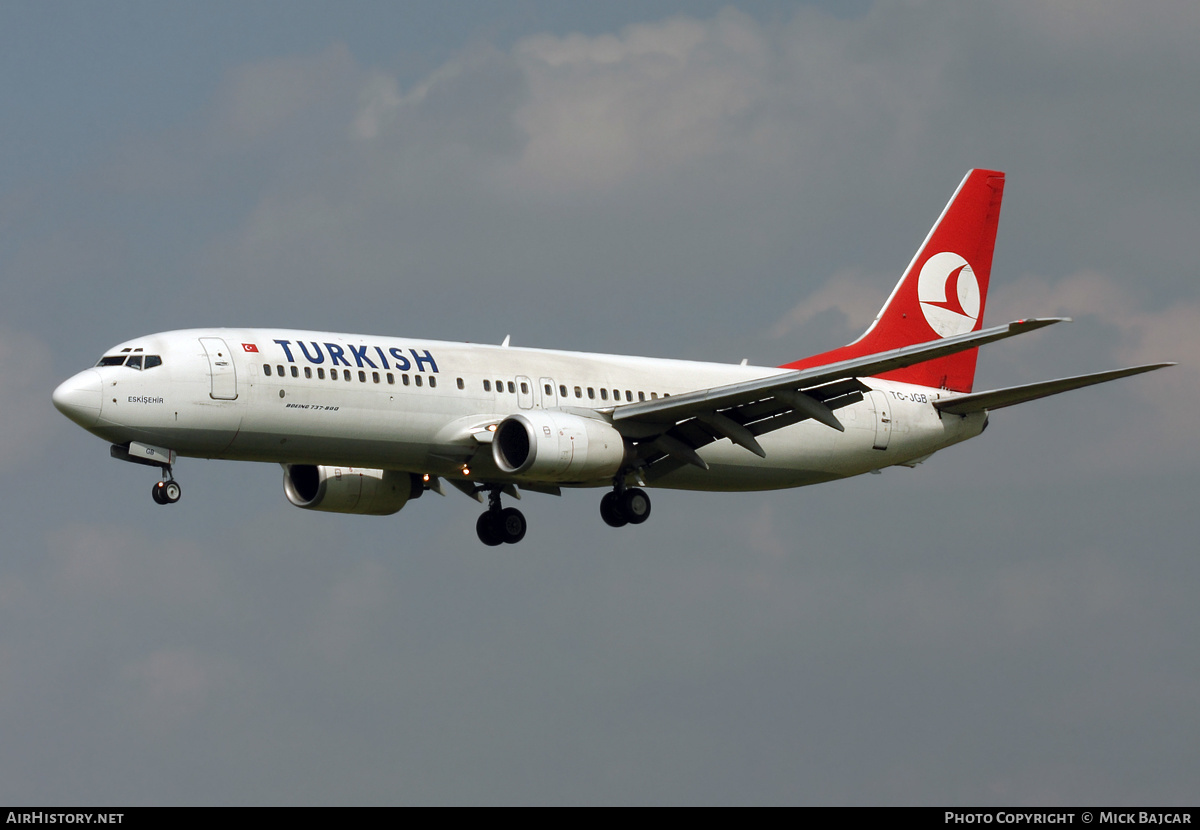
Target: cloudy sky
[{"x": 1013, "y": 623}]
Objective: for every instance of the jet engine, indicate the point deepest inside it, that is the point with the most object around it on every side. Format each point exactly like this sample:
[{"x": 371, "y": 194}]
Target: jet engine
[
  {"x": 557, "y": 446},
  {"x": 349, "y": 489}
]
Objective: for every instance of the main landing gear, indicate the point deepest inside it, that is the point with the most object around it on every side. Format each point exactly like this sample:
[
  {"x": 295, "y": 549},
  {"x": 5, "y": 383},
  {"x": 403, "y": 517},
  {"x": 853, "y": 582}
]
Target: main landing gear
[
  {"x": 500, "y": 526},
  {"x": 624, "y": 505}
]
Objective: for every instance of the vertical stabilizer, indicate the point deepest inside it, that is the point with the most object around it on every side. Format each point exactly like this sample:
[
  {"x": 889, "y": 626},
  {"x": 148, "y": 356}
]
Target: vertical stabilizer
[{"x": 942, "y": 293}]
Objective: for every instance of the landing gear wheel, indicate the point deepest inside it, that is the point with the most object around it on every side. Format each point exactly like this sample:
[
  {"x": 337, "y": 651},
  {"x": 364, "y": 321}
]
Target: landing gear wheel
[
  {"x": 512, "y": 525},
  {"x": 487, "y": 529},
  {"x": 166, "y": 492},
  {"x": 635, "y": 505},
  {"x": 610, "y": 511}
]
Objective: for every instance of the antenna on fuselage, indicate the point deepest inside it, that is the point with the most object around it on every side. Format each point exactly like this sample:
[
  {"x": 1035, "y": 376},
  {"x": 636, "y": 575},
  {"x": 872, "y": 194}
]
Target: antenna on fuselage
[{"x": 507, "y": 337}]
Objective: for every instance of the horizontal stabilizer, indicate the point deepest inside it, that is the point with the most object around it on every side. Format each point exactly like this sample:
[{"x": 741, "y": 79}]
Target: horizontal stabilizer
[{"x": 1000, "y": 398}]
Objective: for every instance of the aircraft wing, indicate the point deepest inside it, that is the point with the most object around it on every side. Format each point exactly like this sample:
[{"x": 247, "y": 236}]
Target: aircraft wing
[
  {"x": 668, "y": 431},
  {"x": 1000, "y": 398}
]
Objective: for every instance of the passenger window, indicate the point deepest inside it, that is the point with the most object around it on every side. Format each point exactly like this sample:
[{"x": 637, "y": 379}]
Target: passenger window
[
  {"x": 295, "y": 372},
  {"x": 654, "y": 395},
  {"x": 629, "y": 394},
  {"x": 603, "y": 394},
  {"x": 320, "y": 374},
  {"x": 524, "y": 388},
  {"x": 391, "y": 379},
  {"x": 578, "y": 392},
  {"x": 616, "y": 394},
  {"x": 549, "y": 389},
  {"x": 562, "y": 389},
  {"x": 267, "y": 369},
  {"x": 499, "y": 386},
  {"x": 641, "y": 396},
  {"x": 375, "y": 377},
  {"x": 591, "y": 394},
  {"x": 512, "y": 388},
  {"x": 279, "y": 369},
  {"x": 362, "y": 376},
  {"x": 135, "y": 362},
  {"x": 461, "y": 385},
  {"x": 417, "y": 378},
  {"x": 153, "y": 360},
  {"x": 432, "y": 381},
  {"x": 487, "y": 386},
  {"x": 307, "y": 372},
  {"x": 404, "y": 378},
  {"x": 346, "y": 374}
]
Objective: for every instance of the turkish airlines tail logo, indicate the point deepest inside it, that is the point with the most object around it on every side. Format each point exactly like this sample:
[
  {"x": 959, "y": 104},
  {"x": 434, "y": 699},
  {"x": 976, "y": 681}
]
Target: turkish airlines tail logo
[
  {"x": 949, "y": 294},
  {"x": 942, "y": 293}
]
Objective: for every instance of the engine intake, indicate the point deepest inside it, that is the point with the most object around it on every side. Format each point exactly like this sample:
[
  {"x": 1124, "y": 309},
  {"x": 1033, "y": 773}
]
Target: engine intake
[
  {"x": 557, "y": 446},
  {"x": 349, "y": 489}
]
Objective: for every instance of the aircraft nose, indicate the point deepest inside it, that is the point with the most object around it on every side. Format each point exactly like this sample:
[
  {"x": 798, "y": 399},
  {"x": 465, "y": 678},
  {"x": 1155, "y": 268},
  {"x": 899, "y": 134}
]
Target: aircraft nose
[{"x": 79, "y": 398}]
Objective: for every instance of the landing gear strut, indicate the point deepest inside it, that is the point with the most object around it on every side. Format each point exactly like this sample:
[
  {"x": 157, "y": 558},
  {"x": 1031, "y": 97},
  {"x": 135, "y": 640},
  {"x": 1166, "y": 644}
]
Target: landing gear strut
[
  {"x": 500, "y": 526},
  {"x": 624, "y": 505}
]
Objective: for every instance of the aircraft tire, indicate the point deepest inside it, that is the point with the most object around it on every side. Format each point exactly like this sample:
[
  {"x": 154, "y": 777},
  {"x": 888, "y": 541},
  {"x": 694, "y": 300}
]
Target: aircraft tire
[
  {"x": 172, "y": 492},
  {"x": 611, "y": 512},
  {"x": 635, "y": 505},
  {"x": 157, "y": 493},
  {"x": 486, "y": 528},
  {"x": 512, "y": 525}
]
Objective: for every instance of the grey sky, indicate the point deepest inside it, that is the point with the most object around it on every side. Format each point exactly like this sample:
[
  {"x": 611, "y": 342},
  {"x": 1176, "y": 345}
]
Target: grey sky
[{"x": 1012, "y": 623}]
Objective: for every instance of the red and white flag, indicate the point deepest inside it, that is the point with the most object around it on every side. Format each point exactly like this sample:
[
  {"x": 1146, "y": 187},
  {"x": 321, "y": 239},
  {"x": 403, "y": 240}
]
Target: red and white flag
[{"x": 250, "y": 347}]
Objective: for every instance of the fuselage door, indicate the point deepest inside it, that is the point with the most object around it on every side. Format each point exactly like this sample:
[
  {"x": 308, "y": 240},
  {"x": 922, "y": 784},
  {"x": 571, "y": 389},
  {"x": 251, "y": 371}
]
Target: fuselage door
[
  {"x": 221, "y": 369},
  {"x": 883, "y": 419},
  {"x": 524, "y": 392},
  {"x": 549, "y": 395}
]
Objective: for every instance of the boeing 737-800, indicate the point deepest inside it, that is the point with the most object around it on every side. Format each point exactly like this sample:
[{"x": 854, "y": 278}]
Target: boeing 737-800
[{"x": 364, "y": 424}]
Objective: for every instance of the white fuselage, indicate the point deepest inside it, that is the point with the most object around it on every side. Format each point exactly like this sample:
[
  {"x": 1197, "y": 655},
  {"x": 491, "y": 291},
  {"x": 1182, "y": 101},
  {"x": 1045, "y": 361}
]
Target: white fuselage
[{"x": 424, "y": 406}]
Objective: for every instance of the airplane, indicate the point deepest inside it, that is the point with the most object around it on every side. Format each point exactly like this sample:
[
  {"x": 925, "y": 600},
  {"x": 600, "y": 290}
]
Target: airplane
[{"x": 364, "y": 424}]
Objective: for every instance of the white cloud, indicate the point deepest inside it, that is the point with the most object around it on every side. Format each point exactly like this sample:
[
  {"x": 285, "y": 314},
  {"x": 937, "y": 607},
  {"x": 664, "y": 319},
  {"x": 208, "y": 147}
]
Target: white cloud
[
  {"x": 261, "y": 99},
  {"x": 856, "y": 297},
  {"x": 1144, "y": 336}
]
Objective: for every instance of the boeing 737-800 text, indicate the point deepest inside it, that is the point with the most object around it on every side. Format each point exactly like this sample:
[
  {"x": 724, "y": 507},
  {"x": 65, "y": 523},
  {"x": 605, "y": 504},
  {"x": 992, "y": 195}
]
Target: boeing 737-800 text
[{"x": 364, "y": 424}]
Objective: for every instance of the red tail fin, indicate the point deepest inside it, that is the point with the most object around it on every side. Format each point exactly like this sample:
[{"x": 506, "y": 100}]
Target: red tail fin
[{"x": 942, "y": 293}]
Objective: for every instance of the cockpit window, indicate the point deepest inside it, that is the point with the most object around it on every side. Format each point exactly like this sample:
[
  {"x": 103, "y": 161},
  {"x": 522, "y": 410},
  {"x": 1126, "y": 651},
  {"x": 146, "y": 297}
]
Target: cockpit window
[{"x": 133, "y": 361}]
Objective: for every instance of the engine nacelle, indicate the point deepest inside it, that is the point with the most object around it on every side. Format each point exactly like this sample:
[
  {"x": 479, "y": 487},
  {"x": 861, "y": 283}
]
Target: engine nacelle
[
  {"x": 557, "y": 446},
  {"x": 349, "y": 489}
]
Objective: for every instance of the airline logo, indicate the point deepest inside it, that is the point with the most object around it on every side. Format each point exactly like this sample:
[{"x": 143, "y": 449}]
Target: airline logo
[
  {"x": 250, "y": 347},
  {"x": 949, "y": 294},
  {"x": 395, "y": 358}
]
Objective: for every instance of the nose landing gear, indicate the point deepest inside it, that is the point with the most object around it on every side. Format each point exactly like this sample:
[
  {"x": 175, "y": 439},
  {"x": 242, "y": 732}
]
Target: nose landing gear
[
  {"x": 167, "y": 491},
  {"x": 500, "y": 526}
]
